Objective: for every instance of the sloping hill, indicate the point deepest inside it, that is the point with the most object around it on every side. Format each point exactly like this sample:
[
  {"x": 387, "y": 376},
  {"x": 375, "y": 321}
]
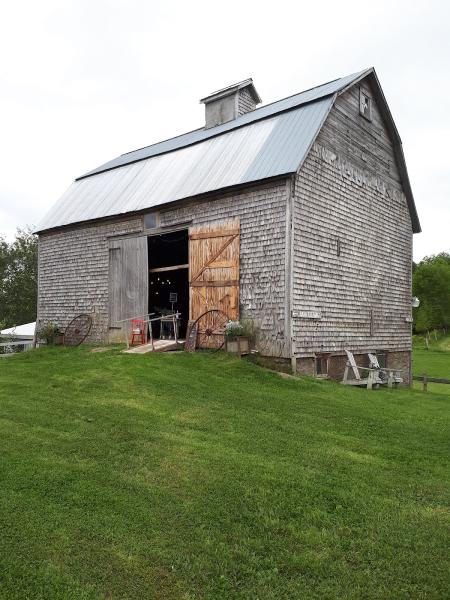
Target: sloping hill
[{"x": 201, "y": 476}]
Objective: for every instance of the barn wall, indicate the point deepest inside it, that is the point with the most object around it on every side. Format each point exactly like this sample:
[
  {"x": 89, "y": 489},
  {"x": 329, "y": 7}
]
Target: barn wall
[
  {"x": 352, "y": 240},
  {"x": 74, "y": 261},
  {"x": 73, "y": 273},
  {"x": 262, "y": 215}
]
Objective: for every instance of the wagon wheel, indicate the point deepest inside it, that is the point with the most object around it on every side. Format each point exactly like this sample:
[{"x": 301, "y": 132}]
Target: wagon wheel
[
  {"x": 77, "y": 330},
  {"x": 211, "y": 329}
]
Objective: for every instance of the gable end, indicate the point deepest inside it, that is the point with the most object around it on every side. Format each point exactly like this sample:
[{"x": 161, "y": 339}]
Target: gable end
[{"x": 379, "y": 98}]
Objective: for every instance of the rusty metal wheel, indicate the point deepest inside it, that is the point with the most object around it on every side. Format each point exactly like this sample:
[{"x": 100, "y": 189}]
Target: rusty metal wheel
[
  {"x": 77, "y": 330},
  {"x": 211, "y": 329}
]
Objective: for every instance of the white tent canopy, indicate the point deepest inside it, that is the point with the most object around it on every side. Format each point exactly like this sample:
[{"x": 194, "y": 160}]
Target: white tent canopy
[{"x": 24, "y": 332}]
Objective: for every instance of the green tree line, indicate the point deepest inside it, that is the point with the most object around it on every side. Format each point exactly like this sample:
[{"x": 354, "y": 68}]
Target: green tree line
[
  {"x": 431, "y": 284},
  {"x": 18, "y": 279}
]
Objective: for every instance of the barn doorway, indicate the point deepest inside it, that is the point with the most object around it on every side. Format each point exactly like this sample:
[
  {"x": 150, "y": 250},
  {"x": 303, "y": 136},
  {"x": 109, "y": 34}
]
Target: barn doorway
[{"x": 168, "y": 279}]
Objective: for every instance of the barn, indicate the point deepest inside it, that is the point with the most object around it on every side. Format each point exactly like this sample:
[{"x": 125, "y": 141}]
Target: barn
[{"x": 297, "y": 216}]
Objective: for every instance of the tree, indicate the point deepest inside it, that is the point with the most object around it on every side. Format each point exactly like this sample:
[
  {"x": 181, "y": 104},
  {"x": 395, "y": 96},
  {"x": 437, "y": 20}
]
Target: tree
[
  {"x": 18, "y": 279},
  {"x": 431, "y": 284}
]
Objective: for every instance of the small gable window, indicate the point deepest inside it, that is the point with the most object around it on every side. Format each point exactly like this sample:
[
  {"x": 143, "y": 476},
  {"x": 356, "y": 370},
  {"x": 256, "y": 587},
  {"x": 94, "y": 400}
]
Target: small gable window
[
  {"x": 365, "y": 105},
  {"x": 151, "y": 220}
]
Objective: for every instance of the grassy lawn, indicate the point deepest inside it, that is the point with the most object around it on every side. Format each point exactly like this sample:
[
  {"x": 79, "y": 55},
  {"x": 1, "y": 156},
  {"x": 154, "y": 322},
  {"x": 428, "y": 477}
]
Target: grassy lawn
[
  {"x": 435, "y": 361},
  {"x": 196, "y": 476}
]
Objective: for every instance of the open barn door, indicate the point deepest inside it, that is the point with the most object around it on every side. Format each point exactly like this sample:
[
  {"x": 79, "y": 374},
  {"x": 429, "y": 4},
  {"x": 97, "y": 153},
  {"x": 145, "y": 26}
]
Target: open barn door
[
  {"x": 128, "y": 282},
  {"x": 213, "y": 275}
]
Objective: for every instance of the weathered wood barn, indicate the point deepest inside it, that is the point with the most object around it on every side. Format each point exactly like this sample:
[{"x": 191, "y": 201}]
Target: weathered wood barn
[{"x": 298, "y": 215}]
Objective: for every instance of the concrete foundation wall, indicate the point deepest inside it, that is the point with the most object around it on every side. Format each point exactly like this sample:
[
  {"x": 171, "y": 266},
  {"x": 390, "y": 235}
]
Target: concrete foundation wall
[{"x": 336, "y": 364}]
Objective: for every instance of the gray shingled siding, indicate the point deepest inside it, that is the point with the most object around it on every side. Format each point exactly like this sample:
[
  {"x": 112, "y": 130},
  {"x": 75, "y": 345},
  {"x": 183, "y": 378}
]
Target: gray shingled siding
[
  {"x": 262, "y": 214},
  {"x": 73, "y": 262},
  {"x": 352, "y": 240},
  {"x": 73, "y": 273},
  {"x": 245, "y": 102}
]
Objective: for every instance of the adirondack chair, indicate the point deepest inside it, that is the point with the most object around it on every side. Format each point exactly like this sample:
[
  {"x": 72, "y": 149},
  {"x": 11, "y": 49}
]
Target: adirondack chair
[
  {"x": 389, "y": 376},
  {"x": 371, "y": 380}
]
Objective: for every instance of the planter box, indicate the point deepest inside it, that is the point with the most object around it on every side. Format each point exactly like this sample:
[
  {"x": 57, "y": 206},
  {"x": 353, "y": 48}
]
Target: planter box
[
  {"x": 58, "y": 340},
  {"x": 239, "y": 346}
]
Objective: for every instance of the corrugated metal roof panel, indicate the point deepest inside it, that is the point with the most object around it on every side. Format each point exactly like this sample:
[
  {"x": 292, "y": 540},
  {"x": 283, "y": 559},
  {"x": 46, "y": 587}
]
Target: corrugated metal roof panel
[
  {"x": 262, "y": 149},
  {"x": 199, "y": 135}
]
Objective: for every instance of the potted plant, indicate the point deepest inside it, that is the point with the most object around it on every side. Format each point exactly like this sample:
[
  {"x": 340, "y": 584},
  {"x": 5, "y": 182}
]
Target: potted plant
[
  {"x": 49, "y": 334},
  {"x": 236, "y": 341}
]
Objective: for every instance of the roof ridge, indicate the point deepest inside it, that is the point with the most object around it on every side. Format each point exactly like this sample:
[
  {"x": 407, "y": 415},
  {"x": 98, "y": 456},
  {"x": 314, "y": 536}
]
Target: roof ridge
[{"x": 174, "y": 137}]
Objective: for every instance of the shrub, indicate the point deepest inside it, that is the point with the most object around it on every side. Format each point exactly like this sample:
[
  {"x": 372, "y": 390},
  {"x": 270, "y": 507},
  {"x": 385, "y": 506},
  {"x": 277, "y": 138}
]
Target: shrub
[
  {"x": 48, "y": 333},
  {"x": 233, "y": 329},
  {"x": 249, "y": 330}
]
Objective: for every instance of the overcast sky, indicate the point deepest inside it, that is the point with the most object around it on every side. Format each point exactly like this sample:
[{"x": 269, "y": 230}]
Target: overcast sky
[{"x": 84, "y": 81}]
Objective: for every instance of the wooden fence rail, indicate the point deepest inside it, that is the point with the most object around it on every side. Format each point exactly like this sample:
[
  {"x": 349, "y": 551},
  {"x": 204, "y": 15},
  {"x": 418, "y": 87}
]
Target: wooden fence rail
[
  {"x": 8, "y": 346},
  {"x": 425, "y": 379}
]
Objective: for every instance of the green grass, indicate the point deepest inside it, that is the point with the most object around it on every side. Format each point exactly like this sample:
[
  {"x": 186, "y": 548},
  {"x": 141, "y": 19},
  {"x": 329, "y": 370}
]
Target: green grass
[
  {"x": 431, "y": 362},
  {"x": 197, "y": 476},
  {"x": 437, "y": 388},
  {"x": 436, "y": 341},
  {"x": 435, "y": 361}
]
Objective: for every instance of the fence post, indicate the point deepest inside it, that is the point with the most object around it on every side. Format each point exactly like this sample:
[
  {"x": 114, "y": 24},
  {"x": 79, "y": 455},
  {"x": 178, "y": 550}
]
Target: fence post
[{"x": 425, "y": 383}]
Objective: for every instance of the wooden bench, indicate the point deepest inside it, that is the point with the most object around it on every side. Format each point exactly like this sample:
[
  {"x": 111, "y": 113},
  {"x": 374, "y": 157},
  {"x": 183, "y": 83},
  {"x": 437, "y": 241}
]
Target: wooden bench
[
  {"x": 388, "y": 376},
  {"x": 370, "y": 380}
]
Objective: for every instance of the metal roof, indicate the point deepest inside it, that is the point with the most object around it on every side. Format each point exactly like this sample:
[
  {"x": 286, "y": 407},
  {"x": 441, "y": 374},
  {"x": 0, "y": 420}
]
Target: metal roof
[
  {"x": 266, "y": 142},
  {"x": 198, "y": 135},
  {"x": 266, "y": 148}
]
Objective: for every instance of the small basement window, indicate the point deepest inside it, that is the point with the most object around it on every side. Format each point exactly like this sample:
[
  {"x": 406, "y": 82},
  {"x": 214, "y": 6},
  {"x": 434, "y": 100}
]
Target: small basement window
[
  {"x": 321, "y": 364},
  {"x": 365, "y": 105},
  {"x": 151, "y": 220}
]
